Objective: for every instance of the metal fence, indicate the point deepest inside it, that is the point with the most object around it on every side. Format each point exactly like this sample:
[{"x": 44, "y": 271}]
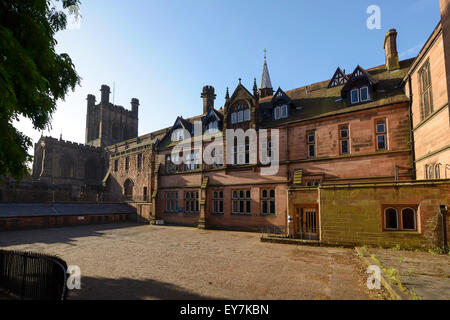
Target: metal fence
[
  {"x": 33, "y": 276},
  {"x": 275, "y": 231}
]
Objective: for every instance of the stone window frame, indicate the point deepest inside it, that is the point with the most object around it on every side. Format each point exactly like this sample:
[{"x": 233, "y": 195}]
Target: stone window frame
[
  {"x": 191, "y": 202},
  {"x": 379, "y": 134},
  {"x": 342, "y": 139},
  {"x": 311, "y": 143},
  {"x": 171, "y": 202},
  {"x": 241, "y": 198},
  {"x": 217, "y": 202},
  {"x": 139, "y": 160},
  {"x": 268, "y": 199},
  {"x": 399, "y": 209},
  {"x": 425, "y": 88},
  {"x": 127, "y": 164}
]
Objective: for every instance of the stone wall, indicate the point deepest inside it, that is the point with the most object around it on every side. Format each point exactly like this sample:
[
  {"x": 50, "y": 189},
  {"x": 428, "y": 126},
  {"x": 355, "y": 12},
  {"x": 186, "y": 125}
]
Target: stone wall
[{"x": 354, "y": 215}]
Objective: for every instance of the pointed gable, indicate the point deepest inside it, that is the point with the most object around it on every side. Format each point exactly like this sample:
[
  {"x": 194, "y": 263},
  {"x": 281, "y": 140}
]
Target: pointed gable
[
  {"x": 358, "y": 76},
  {"x": 280, "y": 96},
  {"x": 339, "y": 78}
]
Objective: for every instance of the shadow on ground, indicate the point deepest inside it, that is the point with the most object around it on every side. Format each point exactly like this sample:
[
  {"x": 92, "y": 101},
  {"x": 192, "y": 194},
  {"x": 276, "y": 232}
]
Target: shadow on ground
[
  {"x": 58, "y": 234},
  {"x": 131, "y": 289}
]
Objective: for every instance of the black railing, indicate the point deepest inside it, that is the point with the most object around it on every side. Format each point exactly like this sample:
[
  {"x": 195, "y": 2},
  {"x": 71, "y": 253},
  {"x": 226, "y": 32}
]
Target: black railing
[{"x": 33, "y": 276}]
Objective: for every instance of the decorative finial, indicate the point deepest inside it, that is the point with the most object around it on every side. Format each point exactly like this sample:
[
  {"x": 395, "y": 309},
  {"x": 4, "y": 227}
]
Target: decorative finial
[
  {"x": 265, "y": 53},
  {"x": 227, "y": 95},
  {"x": 255, "y": 88},
  {"x": 240, "y": 80}
]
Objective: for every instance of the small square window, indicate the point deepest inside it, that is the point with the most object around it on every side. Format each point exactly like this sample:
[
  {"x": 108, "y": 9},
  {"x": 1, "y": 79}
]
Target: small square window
[
  {"x": 381, "y": 142},
  {"x": 312, "y": 151},
  {"x": 364, "y": 94},
  {"x": 344, "y": 147},
  {"x": 381, "y": 127},
  {"x": 311, "y": 138}
]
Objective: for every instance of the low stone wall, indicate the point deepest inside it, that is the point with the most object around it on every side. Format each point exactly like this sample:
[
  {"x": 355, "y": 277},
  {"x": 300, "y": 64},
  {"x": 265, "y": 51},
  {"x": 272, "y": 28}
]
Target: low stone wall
[
  {"x": 17, "y": 223},
  {"x": 354, "y": 214}
]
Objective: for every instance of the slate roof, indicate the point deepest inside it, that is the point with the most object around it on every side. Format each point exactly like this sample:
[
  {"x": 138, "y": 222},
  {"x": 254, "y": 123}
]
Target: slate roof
[
  {"x": 15, "y": 210},
  {"x": 317, "y": 100}
]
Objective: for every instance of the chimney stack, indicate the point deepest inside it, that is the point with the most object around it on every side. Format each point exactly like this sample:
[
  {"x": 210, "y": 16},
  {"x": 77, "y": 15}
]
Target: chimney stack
[
  {"x": 105, "y": 90},
  {"x": 135, "y": 106},
  {"x": 208, "y": 97},
  {"x": 390, "y": 48}
]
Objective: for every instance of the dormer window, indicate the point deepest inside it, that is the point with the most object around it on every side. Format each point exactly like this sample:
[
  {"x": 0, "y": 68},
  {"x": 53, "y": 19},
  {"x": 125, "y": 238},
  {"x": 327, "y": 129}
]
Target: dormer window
[
  {"x": 360, "y": 95},
  {"x": 355, "y": 96},
  {"x": 281, "y": 112},
  {"x": 364, "y": 94},
  {"x": 213, "y": 126},
  {"x": 180, "y": 134}
]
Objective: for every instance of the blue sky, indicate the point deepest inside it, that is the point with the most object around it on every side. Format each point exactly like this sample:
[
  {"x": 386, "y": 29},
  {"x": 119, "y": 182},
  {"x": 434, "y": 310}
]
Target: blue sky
[{"x": 164, "y": 52}]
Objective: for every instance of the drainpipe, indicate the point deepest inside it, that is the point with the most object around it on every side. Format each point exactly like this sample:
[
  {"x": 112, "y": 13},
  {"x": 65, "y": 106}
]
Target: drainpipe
[
  {"x": 411, "y": 132},
  {"x": 444, "y": 227}
]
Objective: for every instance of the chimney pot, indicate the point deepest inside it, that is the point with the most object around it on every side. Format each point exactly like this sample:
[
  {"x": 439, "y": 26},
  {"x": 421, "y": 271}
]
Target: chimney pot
[
  {"x": 208, "y": 95},
  {"x": 390, "y": 48}
]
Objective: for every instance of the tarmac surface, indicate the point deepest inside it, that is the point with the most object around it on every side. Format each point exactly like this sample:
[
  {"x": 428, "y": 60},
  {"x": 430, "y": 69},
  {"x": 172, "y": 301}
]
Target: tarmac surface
[{"x": 131, "y": 261}]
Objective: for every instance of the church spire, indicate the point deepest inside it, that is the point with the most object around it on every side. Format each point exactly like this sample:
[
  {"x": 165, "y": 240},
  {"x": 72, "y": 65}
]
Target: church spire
[{"x": 265, "y": 87}]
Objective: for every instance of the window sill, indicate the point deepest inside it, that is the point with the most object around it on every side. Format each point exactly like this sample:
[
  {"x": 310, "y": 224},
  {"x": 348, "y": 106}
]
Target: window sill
[
  {"x": 268, "y": 214},
  {"x": 412, "y": 232},
  {"x": 242, "y": 214}
]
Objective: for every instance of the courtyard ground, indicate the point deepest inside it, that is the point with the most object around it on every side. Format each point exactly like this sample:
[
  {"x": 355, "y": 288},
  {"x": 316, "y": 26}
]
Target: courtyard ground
[
  {"x": 130, "y": 261},
  {"x": 421, "y": 275}
]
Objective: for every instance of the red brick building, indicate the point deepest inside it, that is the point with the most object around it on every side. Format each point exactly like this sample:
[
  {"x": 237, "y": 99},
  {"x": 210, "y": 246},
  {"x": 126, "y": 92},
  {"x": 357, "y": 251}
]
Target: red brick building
[{"x": 363, "y": 157}]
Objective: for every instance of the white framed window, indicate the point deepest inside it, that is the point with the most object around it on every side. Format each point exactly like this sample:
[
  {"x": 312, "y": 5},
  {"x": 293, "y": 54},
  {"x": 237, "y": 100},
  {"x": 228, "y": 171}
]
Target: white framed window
[
  {"x": 311, "y": 145},
  {"x": 355, "y": 95},
  {"x": 277, "y": 113},
  {"x": 364, "y": 94},
  {"x": 284, "y": 111}
]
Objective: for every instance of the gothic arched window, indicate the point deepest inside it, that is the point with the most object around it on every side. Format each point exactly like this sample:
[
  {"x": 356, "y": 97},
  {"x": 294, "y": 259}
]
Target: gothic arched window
[{"x": 128, "y": 188}]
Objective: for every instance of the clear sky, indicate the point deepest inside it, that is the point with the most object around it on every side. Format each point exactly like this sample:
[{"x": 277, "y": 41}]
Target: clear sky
[{"x": 164, "y": 52}]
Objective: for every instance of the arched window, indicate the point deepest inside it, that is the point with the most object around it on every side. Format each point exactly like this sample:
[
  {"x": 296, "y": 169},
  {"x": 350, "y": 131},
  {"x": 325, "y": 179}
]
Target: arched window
[
  {"x": 430, "y": 172},
  {"x": 437, "y": 171},
  {"x": 409, "y": 219},
  {"x": 66, "y": 166},
  {"x": 391, "y": 218},
  {"x": 128, "y": 188},
  {"x": 115, "y": 131}
]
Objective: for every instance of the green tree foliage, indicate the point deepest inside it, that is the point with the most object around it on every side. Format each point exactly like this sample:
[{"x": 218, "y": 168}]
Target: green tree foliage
[{"x": 32, "y": 75}]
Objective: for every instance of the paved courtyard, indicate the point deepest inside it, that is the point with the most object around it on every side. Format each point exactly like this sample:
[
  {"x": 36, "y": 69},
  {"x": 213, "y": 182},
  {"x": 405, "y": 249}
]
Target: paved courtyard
[{"x": 130, "y": 261}]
